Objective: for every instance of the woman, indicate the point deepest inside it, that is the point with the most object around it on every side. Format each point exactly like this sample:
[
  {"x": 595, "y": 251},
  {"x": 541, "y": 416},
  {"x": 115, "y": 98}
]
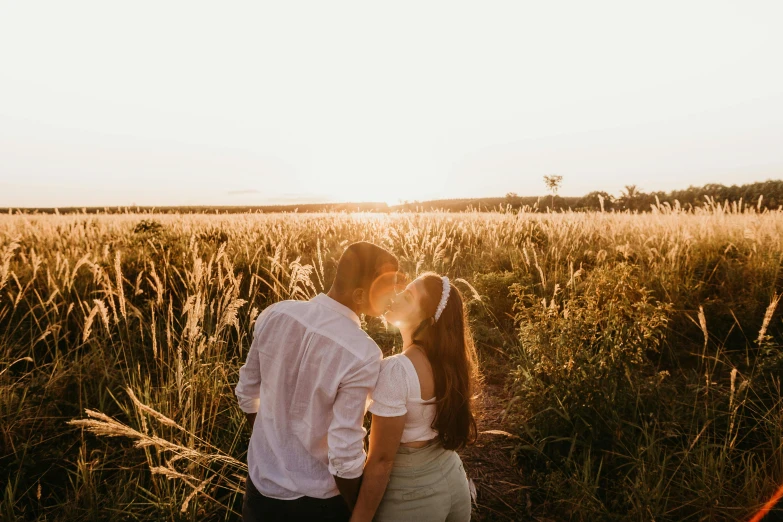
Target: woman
[{"x": 421, "y": 411}]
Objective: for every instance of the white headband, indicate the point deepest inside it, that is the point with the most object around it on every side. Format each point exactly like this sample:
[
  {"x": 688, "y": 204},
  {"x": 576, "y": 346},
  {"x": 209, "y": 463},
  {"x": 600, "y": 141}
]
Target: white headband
[{"x": 443, "y": 298}]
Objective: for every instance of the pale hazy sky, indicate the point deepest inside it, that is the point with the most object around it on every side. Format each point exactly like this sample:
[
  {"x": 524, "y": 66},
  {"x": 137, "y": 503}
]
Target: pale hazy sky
[{"x": 170, "y": 103}]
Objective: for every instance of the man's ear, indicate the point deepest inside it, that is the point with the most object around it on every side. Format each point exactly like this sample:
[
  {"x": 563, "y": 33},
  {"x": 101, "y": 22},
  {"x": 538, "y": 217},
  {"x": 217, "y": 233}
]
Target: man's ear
[{"x": 358, "y": 296}]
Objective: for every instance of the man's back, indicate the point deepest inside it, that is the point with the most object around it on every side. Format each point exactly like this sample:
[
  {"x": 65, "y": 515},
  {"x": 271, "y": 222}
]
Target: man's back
[{"x": 308, "y": 374}]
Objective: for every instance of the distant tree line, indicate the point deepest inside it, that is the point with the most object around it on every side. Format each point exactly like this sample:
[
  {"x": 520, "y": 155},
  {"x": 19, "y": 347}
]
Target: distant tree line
[
  {"x": 634, "y": 199},
  {"x": 631, "y": 198}
]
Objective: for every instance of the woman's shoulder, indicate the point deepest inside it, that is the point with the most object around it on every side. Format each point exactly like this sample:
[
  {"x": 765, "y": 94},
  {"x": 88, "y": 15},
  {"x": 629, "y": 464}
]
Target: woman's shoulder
[
  {"x": 390, "y": 395},
  {"x": 392, "y": 367},
  {"x": 391, "y": 361},
  {"x": 422, "y": 370},
  {"x": 418, "y": 359},
  {"x": 391, "y": 358}
]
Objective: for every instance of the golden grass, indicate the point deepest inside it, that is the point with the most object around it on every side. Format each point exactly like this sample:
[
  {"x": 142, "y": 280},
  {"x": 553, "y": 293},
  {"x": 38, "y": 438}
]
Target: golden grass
[{"x": 144, "y": 328}]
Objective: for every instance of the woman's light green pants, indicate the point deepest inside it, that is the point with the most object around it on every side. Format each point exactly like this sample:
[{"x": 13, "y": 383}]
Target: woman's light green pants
[{"x": 427, "y": 484}]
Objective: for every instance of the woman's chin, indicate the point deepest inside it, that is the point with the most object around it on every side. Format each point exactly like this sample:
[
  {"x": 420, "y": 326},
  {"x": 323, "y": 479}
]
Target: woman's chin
[{"x": 393, "y": 319}]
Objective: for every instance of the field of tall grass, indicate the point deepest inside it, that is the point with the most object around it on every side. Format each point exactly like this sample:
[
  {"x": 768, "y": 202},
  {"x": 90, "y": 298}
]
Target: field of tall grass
[{"x": 643, "y": 353}]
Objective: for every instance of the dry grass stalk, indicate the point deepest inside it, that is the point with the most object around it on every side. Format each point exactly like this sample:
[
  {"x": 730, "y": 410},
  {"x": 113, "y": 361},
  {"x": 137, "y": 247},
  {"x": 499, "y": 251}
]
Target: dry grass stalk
[
  {"x": 151, "y": 412},
  {"x": 170, "y": 473},
  {"x": 767, "y": 318},
  {"x": 102, "y": 425},
  {"x": 198, "y": 489},
  {"x": 703, "y": 325}
]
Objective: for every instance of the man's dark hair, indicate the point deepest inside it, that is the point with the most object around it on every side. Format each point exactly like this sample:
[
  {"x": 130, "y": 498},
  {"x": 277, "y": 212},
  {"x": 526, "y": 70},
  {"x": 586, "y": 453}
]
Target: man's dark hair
[{"x": 360, "y": 264}]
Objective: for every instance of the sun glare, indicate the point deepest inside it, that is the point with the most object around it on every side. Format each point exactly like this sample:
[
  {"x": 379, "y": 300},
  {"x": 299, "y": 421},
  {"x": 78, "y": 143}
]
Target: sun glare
[{"x": 392, "y": 192}]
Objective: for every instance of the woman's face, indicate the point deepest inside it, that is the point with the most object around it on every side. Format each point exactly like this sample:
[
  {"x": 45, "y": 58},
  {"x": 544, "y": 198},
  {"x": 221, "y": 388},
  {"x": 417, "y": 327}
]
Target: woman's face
[{"x": 405, "y": 309}]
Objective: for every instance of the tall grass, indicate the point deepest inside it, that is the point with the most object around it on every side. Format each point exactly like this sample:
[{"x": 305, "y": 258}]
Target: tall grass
[{"x": 135, "y": 326}]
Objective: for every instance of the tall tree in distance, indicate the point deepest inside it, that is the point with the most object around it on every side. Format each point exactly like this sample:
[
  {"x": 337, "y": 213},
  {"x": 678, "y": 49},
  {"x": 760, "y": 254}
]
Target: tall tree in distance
[
  {"x": 630, "y": 191},
  {"x": 629, "y": 195},
  {"x": 552, "y": 183}
]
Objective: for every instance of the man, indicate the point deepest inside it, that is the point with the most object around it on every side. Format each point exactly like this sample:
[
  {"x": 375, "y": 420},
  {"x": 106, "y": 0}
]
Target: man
[{"x": 304, "y": 390}]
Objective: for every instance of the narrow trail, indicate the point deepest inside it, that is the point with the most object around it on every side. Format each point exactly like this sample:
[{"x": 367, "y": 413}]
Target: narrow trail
[{"x": 501, "y": 494}]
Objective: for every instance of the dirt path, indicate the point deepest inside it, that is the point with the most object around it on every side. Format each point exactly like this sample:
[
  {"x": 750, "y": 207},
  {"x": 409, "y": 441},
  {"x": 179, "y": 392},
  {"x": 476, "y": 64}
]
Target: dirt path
[{"x": 501, "y": 494}]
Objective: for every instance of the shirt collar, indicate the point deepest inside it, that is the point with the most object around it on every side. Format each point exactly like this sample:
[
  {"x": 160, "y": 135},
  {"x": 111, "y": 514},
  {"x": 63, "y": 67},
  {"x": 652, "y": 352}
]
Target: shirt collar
[{"x": 341, "y": 309}]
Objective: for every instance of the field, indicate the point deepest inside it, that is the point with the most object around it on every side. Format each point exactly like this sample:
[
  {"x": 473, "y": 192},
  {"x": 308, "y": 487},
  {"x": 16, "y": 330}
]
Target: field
[{"x": 632, "y": 362}]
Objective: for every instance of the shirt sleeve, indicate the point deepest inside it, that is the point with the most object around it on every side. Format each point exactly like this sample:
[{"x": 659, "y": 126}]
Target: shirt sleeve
[
  {"x": 346, "y": 432},
  {"x": 248, "y": 390},
  {"x": 391, "y": 392}
]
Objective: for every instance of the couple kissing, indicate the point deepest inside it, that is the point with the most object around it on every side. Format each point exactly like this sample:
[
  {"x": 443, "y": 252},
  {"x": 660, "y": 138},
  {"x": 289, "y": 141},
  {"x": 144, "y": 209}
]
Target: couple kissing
[{"x": 311, "y": 374}]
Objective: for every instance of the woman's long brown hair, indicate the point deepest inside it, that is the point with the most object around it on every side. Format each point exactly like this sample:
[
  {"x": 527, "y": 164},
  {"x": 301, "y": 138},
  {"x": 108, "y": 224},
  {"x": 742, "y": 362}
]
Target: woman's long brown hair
[{"x": 449, "y": 348}]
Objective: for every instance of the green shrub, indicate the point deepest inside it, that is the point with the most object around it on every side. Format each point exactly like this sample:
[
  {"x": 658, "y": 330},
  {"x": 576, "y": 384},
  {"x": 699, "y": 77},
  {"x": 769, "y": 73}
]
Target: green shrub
[
  {"x": 497, "y": 302},
  {"x": 584, "y": 374},
  {"x": 584, "y": 364},
  {"x": 148, "y": 226}
]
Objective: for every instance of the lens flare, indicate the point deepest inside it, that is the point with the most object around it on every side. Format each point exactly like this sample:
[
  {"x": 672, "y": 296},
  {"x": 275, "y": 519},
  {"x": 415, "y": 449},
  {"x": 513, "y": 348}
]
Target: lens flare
[
  {"x": 383, "y": 287},
  {"x": 766, "y": 508}
]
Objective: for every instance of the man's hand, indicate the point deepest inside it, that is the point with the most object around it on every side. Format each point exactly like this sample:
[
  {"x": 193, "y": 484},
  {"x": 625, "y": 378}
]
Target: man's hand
[
  {"x": 349, "y": 489},
  {"x": 251, "y": 420}
]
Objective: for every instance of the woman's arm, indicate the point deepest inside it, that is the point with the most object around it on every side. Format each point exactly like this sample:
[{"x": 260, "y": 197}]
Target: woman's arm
[{"x": 385, "y": 435}]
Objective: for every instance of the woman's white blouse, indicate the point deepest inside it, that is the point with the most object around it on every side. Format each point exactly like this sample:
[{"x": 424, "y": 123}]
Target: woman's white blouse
[{"x": 397, "y": 393}]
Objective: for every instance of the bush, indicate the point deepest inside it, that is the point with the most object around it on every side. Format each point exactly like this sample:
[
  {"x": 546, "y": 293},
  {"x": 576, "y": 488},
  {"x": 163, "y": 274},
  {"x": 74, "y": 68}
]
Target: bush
[
  {"x": 584, "y": 362},
  {"x": 606, "y": 436},
  {"x": 497, "y": 301},
  {"x": 584, "y": 373},
  {"x": 148, "y": 226}
]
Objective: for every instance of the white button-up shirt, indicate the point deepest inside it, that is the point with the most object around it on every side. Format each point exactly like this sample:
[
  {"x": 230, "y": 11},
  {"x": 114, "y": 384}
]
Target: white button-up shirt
[{"x": 307, "y": 375}]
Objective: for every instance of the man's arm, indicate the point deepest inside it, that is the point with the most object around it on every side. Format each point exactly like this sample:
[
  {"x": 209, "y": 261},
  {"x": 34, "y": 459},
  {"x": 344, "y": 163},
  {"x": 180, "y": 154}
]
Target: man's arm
[
  {"x": 346, "y": 432},
  {"x": 349, "y": 489},
  {"x": 248, "y": 390}
]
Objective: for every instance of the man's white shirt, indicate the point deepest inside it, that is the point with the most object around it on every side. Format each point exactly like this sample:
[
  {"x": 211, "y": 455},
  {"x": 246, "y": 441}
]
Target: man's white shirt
[{"x": 308, "y": 374}]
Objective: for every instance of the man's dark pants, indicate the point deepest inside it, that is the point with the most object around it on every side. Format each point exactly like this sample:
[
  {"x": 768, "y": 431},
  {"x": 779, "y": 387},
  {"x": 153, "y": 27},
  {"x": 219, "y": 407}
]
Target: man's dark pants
[{"x": 257, "y": 507}]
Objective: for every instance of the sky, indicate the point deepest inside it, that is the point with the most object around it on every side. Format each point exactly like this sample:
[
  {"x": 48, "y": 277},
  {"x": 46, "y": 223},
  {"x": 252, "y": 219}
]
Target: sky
[{"x": 228, "y": 103}]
